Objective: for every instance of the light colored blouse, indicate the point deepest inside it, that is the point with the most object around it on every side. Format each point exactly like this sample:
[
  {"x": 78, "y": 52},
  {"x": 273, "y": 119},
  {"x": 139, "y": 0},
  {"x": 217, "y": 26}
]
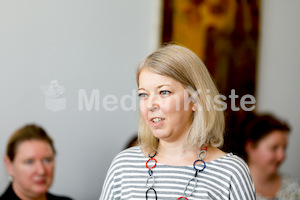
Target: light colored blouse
[{"x": 289, "y": 190}]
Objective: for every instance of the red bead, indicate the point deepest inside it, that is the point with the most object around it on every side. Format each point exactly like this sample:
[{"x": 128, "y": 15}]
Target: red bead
[
  {"x": 205, "y": 148},
  {"x": 182, "y": 198},
  {"x": 154, "y": 163}
]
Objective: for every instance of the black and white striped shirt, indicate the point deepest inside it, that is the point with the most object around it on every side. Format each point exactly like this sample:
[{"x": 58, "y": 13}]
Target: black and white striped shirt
[{"x": 225, "y": 178}]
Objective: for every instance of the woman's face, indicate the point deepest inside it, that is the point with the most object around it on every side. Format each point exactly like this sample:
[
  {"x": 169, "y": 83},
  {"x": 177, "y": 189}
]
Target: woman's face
[
  {"x": 165, "y": 106},
  {"x": 269, "y": 153},
  {"x": 32, "y": 168}
]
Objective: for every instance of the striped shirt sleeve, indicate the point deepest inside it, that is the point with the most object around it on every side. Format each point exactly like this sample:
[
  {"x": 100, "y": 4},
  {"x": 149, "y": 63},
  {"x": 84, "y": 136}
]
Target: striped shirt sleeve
[{"x": 241, "y": 186}]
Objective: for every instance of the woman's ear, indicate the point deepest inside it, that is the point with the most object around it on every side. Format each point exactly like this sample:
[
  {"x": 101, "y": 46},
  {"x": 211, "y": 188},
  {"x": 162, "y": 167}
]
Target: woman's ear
[
  {"x": 8, "y": 165},
  {"x": 194, "y": 108},
  {"x": 249, "y": 146}
]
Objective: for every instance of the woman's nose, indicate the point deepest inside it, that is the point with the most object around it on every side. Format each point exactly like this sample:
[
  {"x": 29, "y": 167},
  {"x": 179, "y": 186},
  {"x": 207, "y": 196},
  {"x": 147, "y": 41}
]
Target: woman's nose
[
  {"x": 40, "y": 167},
  {"x": 154, "y": 107},
  {"x": 153, "y": 104},
  {"x": 281, "y": 154}
]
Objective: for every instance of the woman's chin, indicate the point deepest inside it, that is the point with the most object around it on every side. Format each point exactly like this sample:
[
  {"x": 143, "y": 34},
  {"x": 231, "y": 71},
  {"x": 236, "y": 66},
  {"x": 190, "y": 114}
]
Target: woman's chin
[
  {"x": 40, "y": 190},
  {"x": 272, "y": 170},
  {"x": 159, "y": 134}
]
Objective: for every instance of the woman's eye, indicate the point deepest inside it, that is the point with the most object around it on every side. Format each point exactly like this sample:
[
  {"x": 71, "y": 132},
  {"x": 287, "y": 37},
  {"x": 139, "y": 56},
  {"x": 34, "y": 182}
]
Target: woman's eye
[
  {"x": 142, "y": 95},
  {"x": 29, "y": 161},
  {"x": 273, "y": 148},
  {"x": 165, "y": 92},
  {"x": 47, "y": 160}
]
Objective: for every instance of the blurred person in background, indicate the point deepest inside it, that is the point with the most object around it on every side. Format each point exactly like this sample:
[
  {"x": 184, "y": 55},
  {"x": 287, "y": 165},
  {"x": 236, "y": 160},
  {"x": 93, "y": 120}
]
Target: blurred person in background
[
  {"x": 264, "y": 151},
  {"x": 30, "y": 162}
]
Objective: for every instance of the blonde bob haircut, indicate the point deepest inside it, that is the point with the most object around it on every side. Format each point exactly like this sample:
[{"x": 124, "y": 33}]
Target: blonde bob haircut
[{"x": 185, "y": 66}]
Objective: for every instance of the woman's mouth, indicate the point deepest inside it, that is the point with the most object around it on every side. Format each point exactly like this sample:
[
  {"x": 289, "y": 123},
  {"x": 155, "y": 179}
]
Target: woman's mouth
[
  {"x": 157, "y": 121},
  {"x": 41, "y": 182}
]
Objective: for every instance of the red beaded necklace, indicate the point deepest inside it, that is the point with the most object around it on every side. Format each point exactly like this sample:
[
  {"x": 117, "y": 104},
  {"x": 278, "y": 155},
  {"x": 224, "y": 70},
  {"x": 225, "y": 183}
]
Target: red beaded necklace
[{"x": 150, "y": 172}]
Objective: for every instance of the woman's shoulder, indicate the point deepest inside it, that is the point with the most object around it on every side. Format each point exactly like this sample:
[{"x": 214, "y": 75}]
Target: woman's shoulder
[
  {"x": 231, "y": 163},
  {"x": 132, "y": 154},
  {"x": 236, "y": 171},
  {"x": 132, "y": 150},
  {"x": 128, "y": 159},
  {"x": 290, "y": 188},
  {"x": 230, "y": 158},
  {"x": 9, "y": 194},
  {"x": 289, "y": 180}
]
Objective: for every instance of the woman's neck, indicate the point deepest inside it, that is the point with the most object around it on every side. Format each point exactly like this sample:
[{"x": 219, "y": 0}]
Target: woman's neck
[
  {"x": 261, "y": 175},
  {"x": 24, "y": 196},
  {"x": 265, "y": 184},
  {"x": 175, "y": 154}
]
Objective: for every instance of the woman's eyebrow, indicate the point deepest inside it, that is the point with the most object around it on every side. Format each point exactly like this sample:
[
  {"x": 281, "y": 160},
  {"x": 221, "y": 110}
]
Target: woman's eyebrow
[{"x": 160, "y": 86}]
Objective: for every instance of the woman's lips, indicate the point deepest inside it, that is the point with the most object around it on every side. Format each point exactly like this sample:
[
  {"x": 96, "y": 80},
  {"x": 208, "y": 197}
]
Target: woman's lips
[
  {"x": 157, "y": 122},
  {"x": 41, "y": 182}
]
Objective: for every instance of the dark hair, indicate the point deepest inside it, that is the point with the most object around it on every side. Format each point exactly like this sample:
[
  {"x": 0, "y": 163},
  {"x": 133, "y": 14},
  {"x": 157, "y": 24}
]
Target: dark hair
[
  {"x": 28, "y": 132},
  {"x": 261, "y": 126}
]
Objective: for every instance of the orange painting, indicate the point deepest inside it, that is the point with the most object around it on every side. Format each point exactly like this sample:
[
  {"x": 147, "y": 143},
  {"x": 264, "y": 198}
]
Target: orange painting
[{"x": 224, "y": 34}]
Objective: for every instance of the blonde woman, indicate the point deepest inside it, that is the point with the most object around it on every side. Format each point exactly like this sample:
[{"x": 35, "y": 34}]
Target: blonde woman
[{"x": 180, "y": 131}]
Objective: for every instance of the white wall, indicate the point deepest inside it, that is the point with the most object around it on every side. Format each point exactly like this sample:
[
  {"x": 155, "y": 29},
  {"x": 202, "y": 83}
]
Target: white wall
[
  {"x": 279, "y": 71},
  {"x": 84, "y": 44}
]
